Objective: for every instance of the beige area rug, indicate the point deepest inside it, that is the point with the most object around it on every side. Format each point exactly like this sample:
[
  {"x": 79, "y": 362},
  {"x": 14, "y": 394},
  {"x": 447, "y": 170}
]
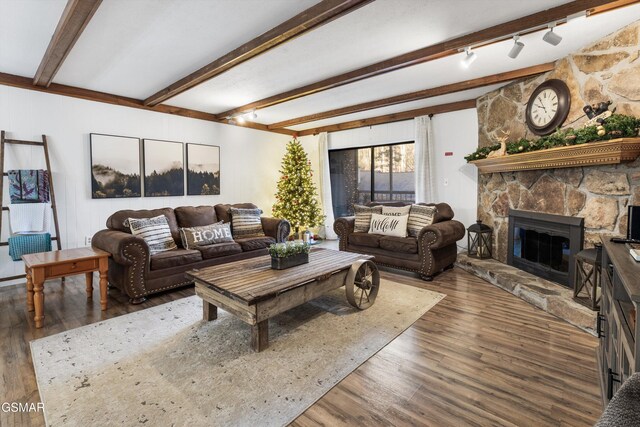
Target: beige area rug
[{"x": 166, "y": 366}]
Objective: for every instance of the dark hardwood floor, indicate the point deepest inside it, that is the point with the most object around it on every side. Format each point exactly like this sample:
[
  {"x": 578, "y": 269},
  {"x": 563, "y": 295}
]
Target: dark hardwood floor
[{"x": 480, "y": 357}]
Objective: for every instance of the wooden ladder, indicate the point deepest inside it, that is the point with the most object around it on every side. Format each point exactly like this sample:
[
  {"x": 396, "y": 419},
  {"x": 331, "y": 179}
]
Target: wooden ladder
[{"x": 3, "y": 174}]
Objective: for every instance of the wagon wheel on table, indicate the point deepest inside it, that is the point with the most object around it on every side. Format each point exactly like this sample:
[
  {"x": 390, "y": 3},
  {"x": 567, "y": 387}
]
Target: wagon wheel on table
[{"x": 362, "y": 284}]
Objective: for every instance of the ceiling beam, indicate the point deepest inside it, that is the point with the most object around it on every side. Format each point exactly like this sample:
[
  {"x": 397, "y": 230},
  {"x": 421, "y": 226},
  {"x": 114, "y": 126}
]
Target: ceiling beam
[
  {"x": 421, "y": 94},
  {"x": 390, "y": 118},
  {"x": 430, "y": 53},
  {"x": 314, "y": 17},
  {"x": 107, "y": 98},
  {"x": 74, "y": 19}
]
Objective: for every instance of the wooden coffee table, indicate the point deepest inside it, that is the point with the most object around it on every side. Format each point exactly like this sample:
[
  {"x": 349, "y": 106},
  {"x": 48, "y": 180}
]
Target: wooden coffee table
[
  {"x": 67, "y": 262},
  {"x": 253, "y": 292}
]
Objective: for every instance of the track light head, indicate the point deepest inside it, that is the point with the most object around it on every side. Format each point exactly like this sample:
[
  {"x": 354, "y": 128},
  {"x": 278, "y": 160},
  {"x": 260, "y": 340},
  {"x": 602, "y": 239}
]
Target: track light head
[
  {"x": 469, "y": 57},
  {"x": 240, "y": 120},
  {"x": 517, "y": 48},
  {"x": 551, "y": 37},
  {"x": 254, "y": 115}
]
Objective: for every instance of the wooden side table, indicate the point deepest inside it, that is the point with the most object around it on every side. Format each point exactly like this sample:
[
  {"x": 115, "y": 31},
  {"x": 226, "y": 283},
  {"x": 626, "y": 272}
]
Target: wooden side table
[{"x": 67, "y": 262}]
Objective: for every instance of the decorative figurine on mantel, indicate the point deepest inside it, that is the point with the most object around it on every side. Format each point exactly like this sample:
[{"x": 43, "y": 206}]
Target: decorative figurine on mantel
[
  {"x": 502, "y": 151},
  {"x": 597, "y": 114}
]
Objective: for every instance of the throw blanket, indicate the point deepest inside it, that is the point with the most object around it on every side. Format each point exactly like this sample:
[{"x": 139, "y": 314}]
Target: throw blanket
[
  {"x": 30, "y": 217},
  {"x": 22, "y": 244},
  {"x": 28, "y": 186}
]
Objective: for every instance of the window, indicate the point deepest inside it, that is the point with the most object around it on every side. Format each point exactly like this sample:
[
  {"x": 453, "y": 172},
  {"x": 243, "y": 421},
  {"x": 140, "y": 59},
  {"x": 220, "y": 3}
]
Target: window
[{"x": 380, "y": 173}]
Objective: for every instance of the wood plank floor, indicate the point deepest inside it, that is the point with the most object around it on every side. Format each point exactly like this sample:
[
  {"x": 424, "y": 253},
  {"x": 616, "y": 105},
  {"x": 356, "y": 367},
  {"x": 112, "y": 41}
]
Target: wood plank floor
[{"x": 480, "y": 357}]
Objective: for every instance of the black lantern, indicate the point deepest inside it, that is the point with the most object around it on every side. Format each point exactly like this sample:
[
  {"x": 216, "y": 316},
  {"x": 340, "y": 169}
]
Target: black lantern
[{"x": 479, "y": 240}]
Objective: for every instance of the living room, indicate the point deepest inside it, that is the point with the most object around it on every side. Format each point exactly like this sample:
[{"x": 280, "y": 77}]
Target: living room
[{"x": 319, "y": 212}]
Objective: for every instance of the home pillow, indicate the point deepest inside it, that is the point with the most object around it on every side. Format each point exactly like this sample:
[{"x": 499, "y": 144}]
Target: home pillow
[
  {"x": 205, "y": 235},
  {"x": 363, "y": 217},
  {"x": 396, "y": 210},
  {"x": 155, "y": 231},
  {"x": 389, "y": 225},
  {"x": 420, "y": 216},
  {"x": 246, "y": 223}
]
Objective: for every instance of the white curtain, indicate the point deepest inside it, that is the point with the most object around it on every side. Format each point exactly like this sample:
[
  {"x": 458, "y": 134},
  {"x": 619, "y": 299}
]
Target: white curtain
[
  {"x": 425, "y": 188},
  {"x": 325, "y": 187}
]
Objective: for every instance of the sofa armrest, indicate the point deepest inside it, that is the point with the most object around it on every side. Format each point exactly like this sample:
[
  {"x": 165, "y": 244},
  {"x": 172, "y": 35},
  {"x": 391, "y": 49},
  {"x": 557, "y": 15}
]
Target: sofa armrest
[
  {"x": 277, "y": 228},
  {"x": 441, "y": 234},
  {"x": 125, "y": 248},
  {"x": 343, "y": 227}
]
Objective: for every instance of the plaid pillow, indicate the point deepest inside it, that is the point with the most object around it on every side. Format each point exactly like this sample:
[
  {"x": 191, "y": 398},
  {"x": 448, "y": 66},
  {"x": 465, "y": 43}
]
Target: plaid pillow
[
  {"x": 363, "y": 217},
  {"x": 246, "y": 223}
]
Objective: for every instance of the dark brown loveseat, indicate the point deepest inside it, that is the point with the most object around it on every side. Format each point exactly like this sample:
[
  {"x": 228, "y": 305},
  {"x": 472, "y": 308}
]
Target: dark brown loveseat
[
  {"x": 432, "y": 251},
  {"x": 136, "y": 273}
]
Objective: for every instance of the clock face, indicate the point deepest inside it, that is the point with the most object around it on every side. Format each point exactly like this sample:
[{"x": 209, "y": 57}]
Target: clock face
[
  {"x": 548, "y": 107},
  {"x": 544, "y": 108}
]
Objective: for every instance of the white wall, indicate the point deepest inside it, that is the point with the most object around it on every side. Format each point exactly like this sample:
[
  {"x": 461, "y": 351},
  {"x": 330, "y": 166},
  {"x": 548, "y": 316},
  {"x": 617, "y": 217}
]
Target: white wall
[
  {"x": 455, "y": 132},
  {"x": 249, "y": 158}
]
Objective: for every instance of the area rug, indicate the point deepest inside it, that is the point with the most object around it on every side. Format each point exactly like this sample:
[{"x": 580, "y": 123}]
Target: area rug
[{"x": 166, "y": 366}]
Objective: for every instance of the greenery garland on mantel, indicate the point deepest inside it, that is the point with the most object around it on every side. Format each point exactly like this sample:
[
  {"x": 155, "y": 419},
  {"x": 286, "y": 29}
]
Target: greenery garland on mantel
[{"x": 616, "y": 126}]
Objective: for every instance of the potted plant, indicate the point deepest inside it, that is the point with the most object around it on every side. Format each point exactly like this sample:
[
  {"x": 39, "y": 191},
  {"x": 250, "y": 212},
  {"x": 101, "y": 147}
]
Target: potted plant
[{"x": 290, "y": 254}]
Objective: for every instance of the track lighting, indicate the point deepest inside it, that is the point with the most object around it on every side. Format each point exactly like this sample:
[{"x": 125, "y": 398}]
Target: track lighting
[
  {"x": 469, "y": 58},
  {"x": 551, "y": 37},
  {"x": 517, "y": 47},
  {"x": 254, "y": 115},
  {"x": 240, "y": 119}
]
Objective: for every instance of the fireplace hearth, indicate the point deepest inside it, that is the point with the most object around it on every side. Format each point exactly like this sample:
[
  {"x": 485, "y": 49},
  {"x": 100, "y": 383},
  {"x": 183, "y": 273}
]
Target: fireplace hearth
[{"x": 545, "y": 244}]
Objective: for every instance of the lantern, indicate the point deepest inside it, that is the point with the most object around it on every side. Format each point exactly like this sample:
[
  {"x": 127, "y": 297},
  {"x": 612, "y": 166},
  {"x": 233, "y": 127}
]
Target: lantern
[{"x": 479, "y": 240}]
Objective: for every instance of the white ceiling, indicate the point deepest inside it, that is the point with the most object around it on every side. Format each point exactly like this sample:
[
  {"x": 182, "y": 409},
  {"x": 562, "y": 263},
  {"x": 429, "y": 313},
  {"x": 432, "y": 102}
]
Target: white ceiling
[{"x": 136, "y": 47}]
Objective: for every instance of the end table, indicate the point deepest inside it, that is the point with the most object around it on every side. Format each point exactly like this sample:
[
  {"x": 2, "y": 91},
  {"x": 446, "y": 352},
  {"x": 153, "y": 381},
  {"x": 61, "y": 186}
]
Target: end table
[{"x": 67, "y": 262}]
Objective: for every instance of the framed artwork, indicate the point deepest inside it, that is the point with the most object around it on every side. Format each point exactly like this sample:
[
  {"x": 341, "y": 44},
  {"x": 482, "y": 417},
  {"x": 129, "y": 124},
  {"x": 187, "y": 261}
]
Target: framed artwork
[
  {"x": 163, "y": 168},
  {"x": 115, "y": 166},
  {"x": 203, "y": 169}
]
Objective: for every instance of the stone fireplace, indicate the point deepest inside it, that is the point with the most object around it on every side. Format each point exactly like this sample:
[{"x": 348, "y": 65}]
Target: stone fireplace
[{"x": 545, "y": 245}]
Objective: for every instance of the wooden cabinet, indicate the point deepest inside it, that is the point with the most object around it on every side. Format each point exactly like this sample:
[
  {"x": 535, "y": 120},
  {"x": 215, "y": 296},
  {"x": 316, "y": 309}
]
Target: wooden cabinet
[{"x": 617, "y": 326}]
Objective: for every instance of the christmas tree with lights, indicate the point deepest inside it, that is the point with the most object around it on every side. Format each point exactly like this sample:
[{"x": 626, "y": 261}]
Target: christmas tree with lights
[{"x": 297, "y": 196}]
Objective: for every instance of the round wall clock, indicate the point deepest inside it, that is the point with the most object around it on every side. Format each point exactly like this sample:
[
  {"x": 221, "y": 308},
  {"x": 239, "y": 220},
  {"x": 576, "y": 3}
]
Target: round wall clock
[{"x": 548, "y": 107}]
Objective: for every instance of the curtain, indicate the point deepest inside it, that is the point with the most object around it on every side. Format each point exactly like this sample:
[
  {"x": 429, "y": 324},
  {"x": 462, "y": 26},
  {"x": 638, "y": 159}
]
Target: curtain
[
  {"x": 325, "y": 187},
  {"x": 425, "y": 188}
]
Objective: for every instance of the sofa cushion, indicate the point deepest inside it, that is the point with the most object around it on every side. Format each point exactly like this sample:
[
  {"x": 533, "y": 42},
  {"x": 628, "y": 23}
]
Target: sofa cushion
[
  {"x": 389, "y": 225},
  {"x": 408, "y": 245},
  {"x": 219, "y": 249},
  {"x": 254, "y": 243},
  {"x": 117, "y": 220},
  {"x": 222, "y": 210},
  {"x": 365, "y": 239},
  {"x": 195, "y": 216},
  {"x": 154, "y": 231},
  {"x": 174, "y": 258}
]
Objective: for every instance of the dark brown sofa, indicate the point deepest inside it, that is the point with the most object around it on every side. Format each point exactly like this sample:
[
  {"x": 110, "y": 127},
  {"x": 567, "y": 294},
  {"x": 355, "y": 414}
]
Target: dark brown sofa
[
  {"x": 136, "y": 273},
  {"x": 432, "y": 251}
]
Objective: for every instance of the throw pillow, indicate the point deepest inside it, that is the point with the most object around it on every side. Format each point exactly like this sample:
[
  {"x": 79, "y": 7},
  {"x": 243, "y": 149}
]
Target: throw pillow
[
  {"x": 396, "y": 210},
  {"x": 389, "y": 225},
  {"x": 420, "y": 216},
  {"x": 246, "y": 223},
  {"x": 155, "y": 231},
  {"x": 205, "y": 235},
  {"x": 363, "y": 217}
]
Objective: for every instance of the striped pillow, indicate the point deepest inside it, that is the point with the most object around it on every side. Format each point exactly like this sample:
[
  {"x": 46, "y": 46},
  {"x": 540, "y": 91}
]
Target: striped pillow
[
  {"x": 363, "y": 217},
  {"x": 155, "y": 231},
  {"x": 246, "y": 223},
  {"x": 419, "y": 217}
]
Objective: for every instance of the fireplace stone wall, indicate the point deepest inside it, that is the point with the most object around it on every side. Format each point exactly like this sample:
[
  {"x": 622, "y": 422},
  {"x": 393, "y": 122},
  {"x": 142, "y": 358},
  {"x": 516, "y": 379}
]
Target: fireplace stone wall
[{"x": 607, "y": 70}]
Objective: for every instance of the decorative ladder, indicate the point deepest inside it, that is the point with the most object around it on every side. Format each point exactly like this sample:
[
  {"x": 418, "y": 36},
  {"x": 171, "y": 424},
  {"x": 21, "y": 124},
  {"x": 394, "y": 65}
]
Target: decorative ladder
[{"x": 3, "y": 174}]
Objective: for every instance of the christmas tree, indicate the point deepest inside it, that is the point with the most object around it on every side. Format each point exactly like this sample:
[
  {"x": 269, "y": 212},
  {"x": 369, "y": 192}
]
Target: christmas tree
[{"x": 297, "y": 196}]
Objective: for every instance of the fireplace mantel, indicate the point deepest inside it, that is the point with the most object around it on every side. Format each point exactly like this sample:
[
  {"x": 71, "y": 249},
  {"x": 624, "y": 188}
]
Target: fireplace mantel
[{"x": 609, "y": 152}]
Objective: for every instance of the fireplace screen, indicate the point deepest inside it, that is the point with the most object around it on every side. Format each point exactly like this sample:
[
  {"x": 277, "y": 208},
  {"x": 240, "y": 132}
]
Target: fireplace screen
[
  {"x": 545, "y": 244},
  {"x": 542, "y": 248}
]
